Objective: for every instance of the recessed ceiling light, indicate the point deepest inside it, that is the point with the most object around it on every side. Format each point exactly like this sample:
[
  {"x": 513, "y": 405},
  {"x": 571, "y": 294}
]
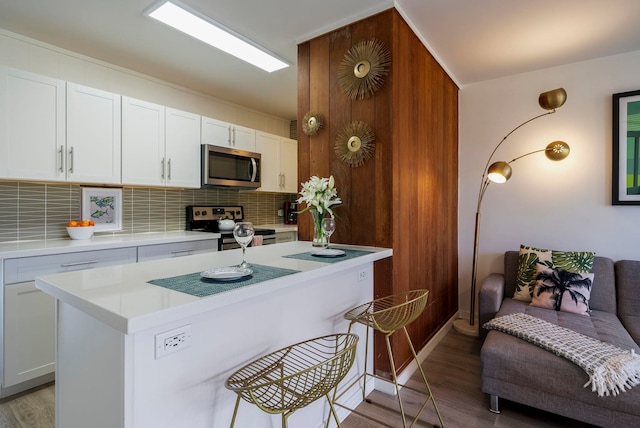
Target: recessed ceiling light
[{"x": 203, "y": 28}]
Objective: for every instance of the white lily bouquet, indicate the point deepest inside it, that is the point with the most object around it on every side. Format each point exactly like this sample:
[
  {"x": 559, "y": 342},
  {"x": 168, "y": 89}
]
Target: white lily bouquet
[{"x": 319, "y": 194}]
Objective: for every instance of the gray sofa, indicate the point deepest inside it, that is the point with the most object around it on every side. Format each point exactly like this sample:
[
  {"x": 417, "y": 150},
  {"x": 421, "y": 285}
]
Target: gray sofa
[{"x": 518, "y": 371}]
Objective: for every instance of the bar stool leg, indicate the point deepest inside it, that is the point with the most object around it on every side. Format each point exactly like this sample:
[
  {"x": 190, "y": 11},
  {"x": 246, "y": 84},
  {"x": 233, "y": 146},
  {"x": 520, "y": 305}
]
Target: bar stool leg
[
  {"x": 424, "y": 378},
  {"x": 235, "y": 412},
  {"x": 366, "y": 359},
  {"x": 395, "y": 379}
]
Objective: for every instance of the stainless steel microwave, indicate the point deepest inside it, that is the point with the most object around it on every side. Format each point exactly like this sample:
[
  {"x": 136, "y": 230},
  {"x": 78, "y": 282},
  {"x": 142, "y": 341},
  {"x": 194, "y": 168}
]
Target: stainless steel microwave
[{"x": 225, "y": 167}]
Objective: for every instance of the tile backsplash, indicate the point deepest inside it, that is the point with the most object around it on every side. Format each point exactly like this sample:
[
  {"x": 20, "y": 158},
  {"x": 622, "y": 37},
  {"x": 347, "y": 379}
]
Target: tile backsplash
[{"x": 35, "y": 211}]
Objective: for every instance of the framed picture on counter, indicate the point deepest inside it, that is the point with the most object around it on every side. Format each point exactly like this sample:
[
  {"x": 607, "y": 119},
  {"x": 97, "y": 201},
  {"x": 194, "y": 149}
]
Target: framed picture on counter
[
  {"x": 103, "y": 206},
  {"x": 626, "y": 148}
]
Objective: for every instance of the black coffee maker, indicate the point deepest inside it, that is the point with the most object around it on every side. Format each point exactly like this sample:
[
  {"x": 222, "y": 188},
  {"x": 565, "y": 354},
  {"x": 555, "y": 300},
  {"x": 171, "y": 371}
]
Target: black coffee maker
[{"x": 290, "y": 213}]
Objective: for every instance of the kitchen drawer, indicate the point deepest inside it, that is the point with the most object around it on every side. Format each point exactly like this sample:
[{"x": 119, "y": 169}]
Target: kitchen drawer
[
  {"x": 176, "y": 249},
  {"x": 27, "y": 268},
  {"x": 286, "y": 237}
]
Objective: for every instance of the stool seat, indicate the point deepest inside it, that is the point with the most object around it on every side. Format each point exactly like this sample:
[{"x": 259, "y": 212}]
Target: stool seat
[
  {"x": 390, "y": 313},
  {"x": 295, "y": 376}
]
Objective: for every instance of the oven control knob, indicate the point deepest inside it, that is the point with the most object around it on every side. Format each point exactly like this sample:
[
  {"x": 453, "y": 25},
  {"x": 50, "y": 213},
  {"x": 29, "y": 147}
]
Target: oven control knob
[
  {"x": 197, "y": 213},
  {"x": 204, "y": 212}
]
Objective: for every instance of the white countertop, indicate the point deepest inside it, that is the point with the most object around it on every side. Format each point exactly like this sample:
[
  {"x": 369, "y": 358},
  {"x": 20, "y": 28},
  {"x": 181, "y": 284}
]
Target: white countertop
[
  {"x": 280, "y": 227},
  {"x": 60, "y": 246},
  {"x": 121, "y": 297}
]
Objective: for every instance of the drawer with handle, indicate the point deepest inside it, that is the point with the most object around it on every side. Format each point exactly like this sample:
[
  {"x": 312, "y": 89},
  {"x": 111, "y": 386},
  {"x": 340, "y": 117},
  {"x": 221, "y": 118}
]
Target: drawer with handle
[
  {"x": 176, "y": 249},
  {"x": 27, "y": 268}
]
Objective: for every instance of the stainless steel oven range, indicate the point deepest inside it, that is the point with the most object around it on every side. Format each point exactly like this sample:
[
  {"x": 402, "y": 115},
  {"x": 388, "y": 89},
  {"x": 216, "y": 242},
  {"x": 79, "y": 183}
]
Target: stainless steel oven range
[{"x": 204, "y": 218}]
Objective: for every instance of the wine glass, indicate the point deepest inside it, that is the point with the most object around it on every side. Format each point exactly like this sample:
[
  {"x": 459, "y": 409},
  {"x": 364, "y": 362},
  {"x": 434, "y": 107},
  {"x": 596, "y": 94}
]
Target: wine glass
[
  {"x": 328, "y": 227},
  {"x": 243, "y": 232}
]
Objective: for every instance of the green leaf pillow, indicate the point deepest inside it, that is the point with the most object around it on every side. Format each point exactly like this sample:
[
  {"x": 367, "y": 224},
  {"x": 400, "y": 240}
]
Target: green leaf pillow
[{"x": 530, "y": 257}]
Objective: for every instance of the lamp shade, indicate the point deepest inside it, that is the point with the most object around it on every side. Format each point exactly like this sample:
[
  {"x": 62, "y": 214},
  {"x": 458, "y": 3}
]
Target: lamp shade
[
  {"x": 552, "y": 99},
  {"x": 499, "y": 172},
  {"x": 557, "y": 150}
]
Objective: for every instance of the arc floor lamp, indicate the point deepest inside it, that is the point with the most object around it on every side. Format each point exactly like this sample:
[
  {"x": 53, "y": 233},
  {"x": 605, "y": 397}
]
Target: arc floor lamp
[{"x": 500, "y": 172}]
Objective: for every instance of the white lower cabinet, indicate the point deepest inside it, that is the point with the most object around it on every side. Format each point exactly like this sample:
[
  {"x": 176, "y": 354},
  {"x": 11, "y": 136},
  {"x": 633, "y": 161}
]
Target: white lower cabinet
[
  {"x": 29, "y": 333},
  {"x": 28, "y": 313}
]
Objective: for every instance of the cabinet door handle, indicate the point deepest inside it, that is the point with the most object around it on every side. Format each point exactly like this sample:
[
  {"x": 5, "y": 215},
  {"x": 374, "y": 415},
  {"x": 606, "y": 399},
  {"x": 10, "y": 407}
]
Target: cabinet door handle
[
  {"x": 283, "y": 180},
  {"x": 169, "y": 169},
  {"x": 88, "y": 262},
  {"x": 182, "y": 252},
  {"x": 234, "y": 137},
  {"x": 229, "y": 136},
  {"x": 162, "y": 166},
  {"x": 61, "y": 152},
  {"x": 21, "y": 293},
  {"x": 71, "y": 160}
]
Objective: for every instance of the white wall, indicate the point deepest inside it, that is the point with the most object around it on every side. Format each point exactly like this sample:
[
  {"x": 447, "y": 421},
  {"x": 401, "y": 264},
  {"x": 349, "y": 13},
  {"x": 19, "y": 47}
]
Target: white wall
[
  {"x": 38, "y": 57},
  {"x": 564, "y": 205}
]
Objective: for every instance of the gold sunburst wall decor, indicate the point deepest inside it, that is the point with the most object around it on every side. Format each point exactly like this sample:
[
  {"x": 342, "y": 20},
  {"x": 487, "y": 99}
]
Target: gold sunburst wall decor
[
  {"x": 363, "y": 68},
  {"x": 354, "y": 143},
  {"x": 312, "y": 122}
]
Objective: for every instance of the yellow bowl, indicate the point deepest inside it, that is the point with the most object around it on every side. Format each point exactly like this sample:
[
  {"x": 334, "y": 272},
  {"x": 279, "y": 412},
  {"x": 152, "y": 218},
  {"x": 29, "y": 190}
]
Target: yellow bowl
[{"x": 80, "y": 232}]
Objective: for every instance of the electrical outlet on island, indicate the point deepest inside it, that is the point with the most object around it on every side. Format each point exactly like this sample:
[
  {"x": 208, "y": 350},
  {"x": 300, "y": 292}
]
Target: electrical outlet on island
[{"x": 172, "y": 341}]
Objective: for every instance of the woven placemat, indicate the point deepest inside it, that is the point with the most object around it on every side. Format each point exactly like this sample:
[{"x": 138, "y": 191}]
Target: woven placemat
[
  {"x": 198, "y": 286},
  {"x": 348, "y": 254}
]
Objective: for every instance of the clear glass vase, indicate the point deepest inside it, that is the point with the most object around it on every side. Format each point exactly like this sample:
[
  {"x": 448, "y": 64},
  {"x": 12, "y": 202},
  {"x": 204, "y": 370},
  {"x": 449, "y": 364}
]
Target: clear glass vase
[{"x": 319, "y": 239}]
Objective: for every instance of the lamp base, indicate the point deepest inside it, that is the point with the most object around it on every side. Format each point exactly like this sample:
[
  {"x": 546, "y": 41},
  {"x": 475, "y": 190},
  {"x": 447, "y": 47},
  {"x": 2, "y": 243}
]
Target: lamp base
[{"x": 462, "y": 326}]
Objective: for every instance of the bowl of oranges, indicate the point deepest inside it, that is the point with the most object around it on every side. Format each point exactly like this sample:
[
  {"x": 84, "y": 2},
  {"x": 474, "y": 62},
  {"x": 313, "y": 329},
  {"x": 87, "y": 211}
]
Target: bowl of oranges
[{"x": 80, "y": 229}]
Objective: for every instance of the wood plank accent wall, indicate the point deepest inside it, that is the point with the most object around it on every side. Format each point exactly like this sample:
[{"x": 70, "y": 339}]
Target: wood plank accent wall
[{"x": 406, "y": 196}]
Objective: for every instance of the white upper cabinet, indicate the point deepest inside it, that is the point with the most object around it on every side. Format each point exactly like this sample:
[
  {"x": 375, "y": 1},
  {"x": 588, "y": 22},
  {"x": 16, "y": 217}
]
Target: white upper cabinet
[
  {"x": 32, "y": 126},
  {"x": 182, "y": 148},
  {"x": 289, "y": 165},
  {"x": 269, "y": 148},
  {"x": 54, "y": 131},
  {"x": 225, "y": 134},
  {"x": 93, "y": 135},
  {"x": 279, "y": 163},
  {"x": 160, "y": 145},
  {"x": 142, "y": 142}
]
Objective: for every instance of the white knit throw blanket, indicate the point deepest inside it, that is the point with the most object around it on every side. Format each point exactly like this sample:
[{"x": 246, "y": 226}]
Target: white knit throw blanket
[{"x": 611, "y": 369}]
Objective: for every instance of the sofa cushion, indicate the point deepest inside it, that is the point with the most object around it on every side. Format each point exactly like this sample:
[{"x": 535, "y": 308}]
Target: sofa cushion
[
  {"x": 603, "y": 297},
  {"x": 529, "y": 258},
  {"x": 628, "y": 289},
  {"x": 522, "y": 372},
  {"x": 560, "y": 290}
]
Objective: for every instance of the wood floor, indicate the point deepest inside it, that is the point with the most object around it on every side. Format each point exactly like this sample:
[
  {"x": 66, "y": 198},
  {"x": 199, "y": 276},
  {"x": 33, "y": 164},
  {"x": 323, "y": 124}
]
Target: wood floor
[{"x": 453, "y": 371}]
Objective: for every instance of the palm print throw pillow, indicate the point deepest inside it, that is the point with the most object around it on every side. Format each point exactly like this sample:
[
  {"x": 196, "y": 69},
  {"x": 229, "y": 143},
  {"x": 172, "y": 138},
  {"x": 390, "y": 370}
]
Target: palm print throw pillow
[
  {"x": 562, "y": 290},
  {"x": 530, "y": 258}
]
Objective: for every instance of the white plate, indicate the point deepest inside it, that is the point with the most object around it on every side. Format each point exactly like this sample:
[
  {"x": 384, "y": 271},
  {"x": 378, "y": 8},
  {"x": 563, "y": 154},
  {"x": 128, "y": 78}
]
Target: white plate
[
  {"x": 327, "y": 252},
  {"x": 227, "y": 273}
]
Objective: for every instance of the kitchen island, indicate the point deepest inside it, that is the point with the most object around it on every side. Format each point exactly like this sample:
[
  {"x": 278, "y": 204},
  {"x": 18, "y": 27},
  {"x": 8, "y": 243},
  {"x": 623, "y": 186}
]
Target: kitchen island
[{"x": 114, "y": 329}]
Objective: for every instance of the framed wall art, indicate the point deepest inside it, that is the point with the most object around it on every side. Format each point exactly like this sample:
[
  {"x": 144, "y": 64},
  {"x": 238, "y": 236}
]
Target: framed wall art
[
  {"x": 626, "y": 148},
  {"x": 103, "y": 206}
]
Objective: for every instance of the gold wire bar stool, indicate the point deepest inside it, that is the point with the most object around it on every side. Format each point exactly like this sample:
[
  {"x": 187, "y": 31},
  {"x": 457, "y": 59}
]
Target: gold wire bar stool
[
  {"x": 388, "y": 315},
  {"x": 293, "y": 377}
]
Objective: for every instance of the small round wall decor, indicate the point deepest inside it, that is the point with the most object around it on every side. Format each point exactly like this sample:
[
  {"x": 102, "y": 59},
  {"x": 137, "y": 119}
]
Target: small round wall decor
[
  {"x": 312, "y": 122},
  {"x": 354, "y": 143},
  {"x": 363, "y": 68}
]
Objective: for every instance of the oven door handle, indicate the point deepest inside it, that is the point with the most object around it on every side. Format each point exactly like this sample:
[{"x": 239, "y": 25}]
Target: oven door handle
[{"x": 254, "y": 169}]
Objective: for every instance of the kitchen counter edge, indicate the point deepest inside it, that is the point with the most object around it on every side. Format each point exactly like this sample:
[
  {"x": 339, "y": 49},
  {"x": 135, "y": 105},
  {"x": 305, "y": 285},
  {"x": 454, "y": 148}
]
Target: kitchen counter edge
[{"x": 10, "y": 250}]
